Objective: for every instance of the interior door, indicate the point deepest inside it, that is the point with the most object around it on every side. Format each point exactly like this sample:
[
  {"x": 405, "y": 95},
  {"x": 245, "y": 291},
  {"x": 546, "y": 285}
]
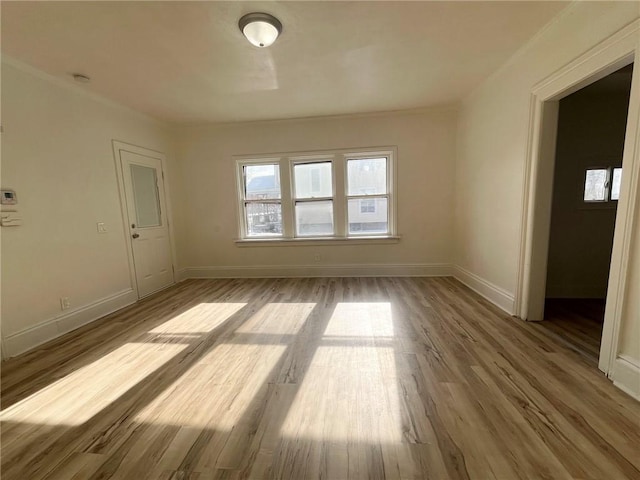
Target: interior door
[{"x": 144, "y": 191}]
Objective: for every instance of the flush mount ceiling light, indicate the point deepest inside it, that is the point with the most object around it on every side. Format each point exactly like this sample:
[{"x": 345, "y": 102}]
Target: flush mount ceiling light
[{"x": 261, "y": 29}]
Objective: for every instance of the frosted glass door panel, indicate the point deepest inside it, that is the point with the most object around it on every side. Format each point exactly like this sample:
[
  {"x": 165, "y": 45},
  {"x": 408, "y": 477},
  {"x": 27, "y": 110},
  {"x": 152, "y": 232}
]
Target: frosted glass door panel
[{"x": 145, "y": 191}]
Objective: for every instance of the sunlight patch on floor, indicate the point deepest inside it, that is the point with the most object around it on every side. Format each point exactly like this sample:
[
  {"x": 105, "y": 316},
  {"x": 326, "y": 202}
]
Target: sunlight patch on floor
[
  {"x": 360, "y": 319},
  {"x": 232, "y": 378},
  {"x": 82, "y": 394},
  {"x": 202, "y": 318},
  {"x": 278, "y": 318},
  {"x": 350, "y": 393},
  {"x": 213, "y": 395}
]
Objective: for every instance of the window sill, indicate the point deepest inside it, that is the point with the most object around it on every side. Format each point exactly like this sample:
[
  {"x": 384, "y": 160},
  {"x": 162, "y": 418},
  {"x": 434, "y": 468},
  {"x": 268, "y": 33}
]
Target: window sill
[{"x": 312, "y": 241}]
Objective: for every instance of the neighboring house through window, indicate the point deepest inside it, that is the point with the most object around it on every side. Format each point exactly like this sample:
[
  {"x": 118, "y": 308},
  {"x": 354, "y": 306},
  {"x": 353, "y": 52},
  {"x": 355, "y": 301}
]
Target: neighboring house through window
[{"x": 367, "y": 206}]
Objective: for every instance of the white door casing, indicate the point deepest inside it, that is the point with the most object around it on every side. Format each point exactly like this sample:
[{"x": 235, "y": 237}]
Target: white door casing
[{"x": 146, "y": 225}]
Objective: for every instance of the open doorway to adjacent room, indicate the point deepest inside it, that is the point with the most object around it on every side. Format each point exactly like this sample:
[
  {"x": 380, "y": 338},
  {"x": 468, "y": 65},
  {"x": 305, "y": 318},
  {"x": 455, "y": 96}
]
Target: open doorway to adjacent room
[{"x": 586, "y": 188}]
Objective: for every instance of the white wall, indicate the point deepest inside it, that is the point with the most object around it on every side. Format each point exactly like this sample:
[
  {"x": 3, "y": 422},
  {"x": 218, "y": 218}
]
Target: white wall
[
  {"x": 425, "y": 169},
  {"x": 57, "y": 155},
  {"x": 492, "y": 140}
]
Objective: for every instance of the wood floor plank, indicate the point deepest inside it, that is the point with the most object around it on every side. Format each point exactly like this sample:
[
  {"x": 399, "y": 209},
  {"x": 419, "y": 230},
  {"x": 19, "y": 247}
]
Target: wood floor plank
[
  {"x": 77, "y": 466},
  {"x": 319, "y": 378}
]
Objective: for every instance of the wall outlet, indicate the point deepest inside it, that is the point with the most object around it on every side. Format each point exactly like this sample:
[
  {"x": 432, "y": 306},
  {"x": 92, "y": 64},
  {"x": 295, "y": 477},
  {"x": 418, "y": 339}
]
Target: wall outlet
[
  {"x": 101, "y": 227},
  {"x": 317, "y": 257},
  {"x": 65, "y": 303}
]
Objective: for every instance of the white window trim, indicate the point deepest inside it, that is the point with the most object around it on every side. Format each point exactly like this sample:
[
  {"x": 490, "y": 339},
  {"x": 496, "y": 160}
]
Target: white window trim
[
  {"x": 338, "y": 159},
  {"x": 300, "y": 160},
  {"x": 240, "y": 200},
  {"x": 388, "y": 196}
]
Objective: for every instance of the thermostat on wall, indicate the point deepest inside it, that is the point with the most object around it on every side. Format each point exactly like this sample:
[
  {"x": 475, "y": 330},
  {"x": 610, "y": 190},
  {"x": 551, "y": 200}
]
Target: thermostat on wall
[{"x": 8, "y": 197}]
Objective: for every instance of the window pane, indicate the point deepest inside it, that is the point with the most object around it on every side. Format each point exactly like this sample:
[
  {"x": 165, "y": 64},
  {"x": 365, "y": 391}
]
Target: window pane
[
  {"x": 313, "y": 180},
  {"x": 367, "y": 176},
  {"x": 314, "y": 218},
  {"x": 145, "y": 191},
  {"x": 263, "y": 219},
  {"x": 615, "y": 183},
  {"x": 368, "y": 215},
  {"x": 262, "y": 182},
  {"x": 594, "y": 185}
]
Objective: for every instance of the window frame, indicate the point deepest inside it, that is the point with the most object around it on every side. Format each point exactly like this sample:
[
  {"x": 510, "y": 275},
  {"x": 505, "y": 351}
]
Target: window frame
[
  {"x": 307, "y": 160},
  {"x": 338, "y": 159},
  {"x": 243, "y": 201},
  {"x": 365, "y": 156}
]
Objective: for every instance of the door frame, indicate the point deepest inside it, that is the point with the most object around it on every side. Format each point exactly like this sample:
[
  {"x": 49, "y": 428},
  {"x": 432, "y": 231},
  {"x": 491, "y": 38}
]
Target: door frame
[
  {"x": 617, "y": 51},
  {"x": 118, "y": 147}
]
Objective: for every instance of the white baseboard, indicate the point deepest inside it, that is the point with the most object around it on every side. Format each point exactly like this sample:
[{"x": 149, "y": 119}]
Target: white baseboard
[
  {"x": 496, "y": 295},
  {"x": 31, "y": 337},
  {"x": 296, "y": 271},
  {"x": 626, "y": 375}
]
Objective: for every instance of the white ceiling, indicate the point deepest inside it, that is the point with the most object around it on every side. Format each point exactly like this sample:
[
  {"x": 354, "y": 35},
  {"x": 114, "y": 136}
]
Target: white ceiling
[{"x": 188, "y": 61}]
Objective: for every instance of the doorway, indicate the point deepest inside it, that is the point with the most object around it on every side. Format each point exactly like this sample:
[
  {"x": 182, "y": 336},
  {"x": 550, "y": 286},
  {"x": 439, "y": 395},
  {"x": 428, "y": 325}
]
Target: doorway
[
  {"x": 144, "y": 206},
  {"x": 586, "y": 189},
  {"x": 616, "y": 52}
]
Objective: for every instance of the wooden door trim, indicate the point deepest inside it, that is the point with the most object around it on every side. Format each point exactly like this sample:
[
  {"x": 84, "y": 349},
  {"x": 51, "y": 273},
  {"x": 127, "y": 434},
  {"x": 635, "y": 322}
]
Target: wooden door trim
[{"x": 118, "y": 147}]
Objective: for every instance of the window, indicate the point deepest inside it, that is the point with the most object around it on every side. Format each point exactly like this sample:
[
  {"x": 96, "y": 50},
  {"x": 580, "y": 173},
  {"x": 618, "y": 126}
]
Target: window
[
  {"x": 313, "y": 206},
  {"x": 262, "y": 200},
  {"x": 615, "y": 183},
  {"x": 602, "y": 184},
  {"x": 367, "y": 196},
  {"x": 331, "y": 195}
]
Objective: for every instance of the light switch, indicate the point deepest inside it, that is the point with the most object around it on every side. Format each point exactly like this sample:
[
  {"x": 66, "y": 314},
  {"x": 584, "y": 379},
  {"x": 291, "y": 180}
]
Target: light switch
[{"x": 102, "y": 228}]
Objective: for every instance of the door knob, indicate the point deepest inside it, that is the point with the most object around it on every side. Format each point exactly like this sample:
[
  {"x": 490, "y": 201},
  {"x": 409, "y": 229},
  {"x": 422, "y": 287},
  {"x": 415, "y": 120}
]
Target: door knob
[{"x": 135, "y": 235}]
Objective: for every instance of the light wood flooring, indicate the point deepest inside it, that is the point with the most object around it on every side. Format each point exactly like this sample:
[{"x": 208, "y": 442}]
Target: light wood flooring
[{"x": 327, "y": 378}]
